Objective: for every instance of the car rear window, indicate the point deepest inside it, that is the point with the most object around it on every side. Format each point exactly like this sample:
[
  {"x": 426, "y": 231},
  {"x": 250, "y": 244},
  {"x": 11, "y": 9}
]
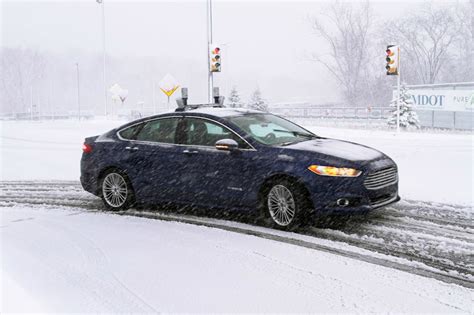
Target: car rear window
[
  {"x": 130, "y": 132},
  {"x": 159, "y": 130}
]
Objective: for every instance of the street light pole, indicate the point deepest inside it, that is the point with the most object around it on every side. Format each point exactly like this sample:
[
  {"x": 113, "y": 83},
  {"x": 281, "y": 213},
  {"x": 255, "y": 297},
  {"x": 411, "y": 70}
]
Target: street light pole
[
  {"x": 210, "y": 81},
  {"x": 154, "y": 97},
  {"x": 78, "y": 94},
  {"x": 101, "y": 2}
]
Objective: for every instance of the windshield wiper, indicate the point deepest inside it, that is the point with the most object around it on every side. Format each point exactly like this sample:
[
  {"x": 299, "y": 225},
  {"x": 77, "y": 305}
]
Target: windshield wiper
[
  {"x": 288, "y": 143},
  {"x": 297, "y": 133}
]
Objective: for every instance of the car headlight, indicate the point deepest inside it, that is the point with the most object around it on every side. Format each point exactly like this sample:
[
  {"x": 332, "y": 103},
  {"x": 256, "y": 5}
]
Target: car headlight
[{"x": 334, "y": 171}]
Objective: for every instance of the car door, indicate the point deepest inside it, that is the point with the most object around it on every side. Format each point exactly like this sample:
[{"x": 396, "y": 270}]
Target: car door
[
  {"x": 211, "y": 176},
  {"x": 155, "y": 159}
]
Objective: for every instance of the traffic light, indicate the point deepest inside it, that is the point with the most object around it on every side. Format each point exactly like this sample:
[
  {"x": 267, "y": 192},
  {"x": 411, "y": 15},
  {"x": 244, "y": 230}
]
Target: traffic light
[
  {"x": 393, "y": 59},
  {"x": 215, "y": 59}
]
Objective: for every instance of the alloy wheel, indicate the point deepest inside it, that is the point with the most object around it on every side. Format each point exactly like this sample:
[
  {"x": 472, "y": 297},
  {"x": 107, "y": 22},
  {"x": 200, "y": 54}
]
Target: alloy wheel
[
  {"x": 114, "y": 190},
  {"x": 281, "y": 205}
]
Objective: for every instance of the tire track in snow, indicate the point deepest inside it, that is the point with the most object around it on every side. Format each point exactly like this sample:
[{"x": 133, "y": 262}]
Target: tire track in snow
[{"x": 437, "y": 241}]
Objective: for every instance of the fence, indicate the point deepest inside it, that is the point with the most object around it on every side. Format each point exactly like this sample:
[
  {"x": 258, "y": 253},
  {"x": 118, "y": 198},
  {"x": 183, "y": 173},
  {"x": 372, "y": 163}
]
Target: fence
[
  {"x": 47, "y": 115},
  {"x": 378, "y": 115},
  {"x": 333, "y": 112},
  {"x": 360, "y": 116}
]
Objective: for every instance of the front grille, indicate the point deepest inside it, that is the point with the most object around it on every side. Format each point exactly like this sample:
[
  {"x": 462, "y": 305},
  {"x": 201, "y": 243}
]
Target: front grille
[{"x": 381, "y": 178}]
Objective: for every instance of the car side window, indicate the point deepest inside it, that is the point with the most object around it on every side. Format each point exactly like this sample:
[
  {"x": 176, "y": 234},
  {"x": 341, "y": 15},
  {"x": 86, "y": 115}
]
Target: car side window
[
  {"x": 129, "y": 133},
  {"x": 159, "y": 130},
  {"x": 206, "y": 133}
]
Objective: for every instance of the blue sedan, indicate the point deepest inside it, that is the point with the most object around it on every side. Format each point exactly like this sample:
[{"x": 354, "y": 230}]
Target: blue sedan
[{"x": 236, "y": 159}]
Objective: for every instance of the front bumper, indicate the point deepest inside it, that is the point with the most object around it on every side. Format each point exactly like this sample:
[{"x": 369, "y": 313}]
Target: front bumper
[
  {"x": 361, "y": 194},
  {"x": 362, "y": 204}
]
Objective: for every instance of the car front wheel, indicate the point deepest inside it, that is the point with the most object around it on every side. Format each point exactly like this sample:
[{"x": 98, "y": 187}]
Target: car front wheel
[
  {"x": 117, "y": 193},
  {"x": 284, "y": 205}
]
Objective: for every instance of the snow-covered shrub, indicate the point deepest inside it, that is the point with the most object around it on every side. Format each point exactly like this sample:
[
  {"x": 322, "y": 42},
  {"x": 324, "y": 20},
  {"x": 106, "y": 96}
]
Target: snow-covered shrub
[
  {"x": 257, "y": 102},
  {"x": 408, "y": 117},
  {"x": 234, "y": 98}
]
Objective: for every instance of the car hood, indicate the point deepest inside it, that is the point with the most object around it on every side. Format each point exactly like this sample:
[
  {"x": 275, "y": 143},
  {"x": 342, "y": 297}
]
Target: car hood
[{"x": 339, "y": 149}]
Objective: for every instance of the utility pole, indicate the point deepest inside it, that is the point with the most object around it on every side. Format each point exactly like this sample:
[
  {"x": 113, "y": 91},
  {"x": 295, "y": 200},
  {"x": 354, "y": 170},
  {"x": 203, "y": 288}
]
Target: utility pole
[
  {"x": 210, "y": 82},
  {"x": 101, "y": 2},
  {"x": 78, "y": 94}
]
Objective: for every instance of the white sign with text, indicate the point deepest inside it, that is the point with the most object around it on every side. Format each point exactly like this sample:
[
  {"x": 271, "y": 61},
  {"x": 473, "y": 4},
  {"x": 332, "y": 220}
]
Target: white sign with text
[{"x": 450, "y": 100}]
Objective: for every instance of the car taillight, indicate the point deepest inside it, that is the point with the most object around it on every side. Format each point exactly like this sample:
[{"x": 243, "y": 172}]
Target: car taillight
[{"x": 86, "y": 148}]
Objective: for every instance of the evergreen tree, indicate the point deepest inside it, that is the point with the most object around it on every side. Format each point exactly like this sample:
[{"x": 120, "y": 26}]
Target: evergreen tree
[
  {"x": 257, "y": 102},
  {"x": 234, "y": 98},
  {"x": 408, "y": 117}
]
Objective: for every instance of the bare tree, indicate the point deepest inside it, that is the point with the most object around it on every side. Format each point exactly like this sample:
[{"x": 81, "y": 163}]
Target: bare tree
[
  {"x": 460, "y": 67},
  {"x": 346, "y": 29},
  {"x": 426, "y": 40},
  {"x": 21, "y": 69}
]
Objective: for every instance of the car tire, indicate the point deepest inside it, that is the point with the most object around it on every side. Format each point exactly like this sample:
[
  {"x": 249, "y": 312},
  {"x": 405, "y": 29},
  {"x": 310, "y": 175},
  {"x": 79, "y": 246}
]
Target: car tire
[
  {"x": 284, "y": 205},
  {"x": 116, "y": 190}
]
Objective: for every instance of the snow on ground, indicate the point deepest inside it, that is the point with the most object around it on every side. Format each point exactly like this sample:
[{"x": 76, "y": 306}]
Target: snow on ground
[
  {"x": 433, "y": 167},
  {"x": 58, "y": 260},
  {"x": 46, "y": 150}
]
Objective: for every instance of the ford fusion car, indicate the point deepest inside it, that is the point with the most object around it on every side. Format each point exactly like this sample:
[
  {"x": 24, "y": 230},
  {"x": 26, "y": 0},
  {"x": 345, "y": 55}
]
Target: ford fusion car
[{"x": 236, "y": 159}]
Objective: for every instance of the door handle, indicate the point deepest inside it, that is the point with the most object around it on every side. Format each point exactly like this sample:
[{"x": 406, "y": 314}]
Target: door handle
[
  {"x": 190, "y": 151},
  {"x": 131, "y": 148}
]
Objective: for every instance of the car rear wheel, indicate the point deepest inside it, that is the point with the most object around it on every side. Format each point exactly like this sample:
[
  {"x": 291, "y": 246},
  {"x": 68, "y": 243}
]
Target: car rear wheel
[
  {"x": 117, "y": 192},
  {"x": 284, "y": 205}
]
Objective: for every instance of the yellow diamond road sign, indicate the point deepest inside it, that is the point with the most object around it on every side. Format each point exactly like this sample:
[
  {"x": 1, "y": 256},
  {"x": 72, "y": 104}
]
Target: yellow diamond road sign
[{"x": 168, "y": 85}]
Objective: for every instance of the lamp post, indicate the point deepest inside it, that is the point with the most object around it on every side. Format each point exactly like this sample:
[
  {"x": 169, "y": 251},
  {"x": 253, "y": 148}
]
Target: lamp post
[
  {"x": 78, "y": 94},
  {"x": 101, "y": 2},
  {"x": 210, "y": 82}
]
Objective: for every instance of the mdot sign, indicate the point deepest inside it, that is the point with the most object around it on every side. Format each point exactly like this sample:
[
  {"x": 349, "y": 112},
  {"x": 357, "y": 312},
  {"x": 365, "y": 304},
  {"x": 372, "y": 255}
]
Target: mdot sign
[{"x": 449, "y": 100}]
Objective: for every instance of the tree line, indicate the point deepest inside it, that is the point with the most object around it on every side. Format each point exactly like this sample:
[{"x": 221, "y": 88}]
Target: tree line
[{"x": 436, "y": 42}]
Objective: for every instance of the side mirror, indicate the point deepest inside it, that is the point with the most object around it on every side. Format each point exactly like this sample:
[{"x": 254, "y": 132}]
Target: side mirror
[{"x": 226, "y": 145}]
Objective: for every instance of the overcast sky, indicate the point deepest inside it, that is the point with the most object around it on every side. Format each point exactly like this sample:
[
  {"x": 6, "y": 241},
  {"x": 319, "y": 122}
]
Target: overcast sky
[{"x": 264, "y": 43}]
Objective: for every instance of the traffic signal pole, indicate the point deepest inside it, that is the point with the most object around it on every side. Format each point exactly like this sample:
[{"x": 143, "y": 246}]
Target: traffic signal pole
[
  {"x": 210, "y": 79},
  {"x": 393, "y": 68},
  {"x": 398, "y": 92}
]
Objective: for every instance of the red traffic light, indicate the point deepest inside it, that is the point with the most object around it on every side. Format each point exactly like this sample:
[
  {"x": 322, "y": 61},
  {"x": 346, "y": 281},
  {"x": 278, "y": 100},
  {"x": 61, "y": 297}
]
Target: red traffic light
[
  {"x": 392, "y": 59},
  {"x": 215, "y": 58}
]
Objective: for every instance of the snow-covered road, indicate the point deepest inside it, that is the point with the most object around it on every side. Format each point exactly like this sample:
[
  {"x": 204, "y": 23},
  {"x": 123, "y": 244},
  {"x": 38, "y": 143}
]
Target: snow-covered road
[
  {"x": 432, "y": 240},
  {"x": 63, "y": 260}
]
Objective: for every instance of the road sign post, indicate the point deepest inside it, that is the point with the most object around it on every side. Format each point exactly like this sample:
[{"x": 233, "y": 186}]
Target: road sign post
[{"x": 168, "y": 85}]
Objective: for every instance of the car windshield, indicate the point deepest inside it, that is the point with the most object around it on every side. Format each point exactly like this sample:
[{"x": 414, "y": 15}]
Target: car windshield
[{"x": 271, "y": 130}]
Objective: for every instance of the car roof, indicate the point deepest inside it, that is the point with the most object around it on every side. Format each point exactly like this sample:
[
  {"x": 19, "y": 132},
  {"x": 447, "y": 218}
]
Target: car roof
[
  {"x": 223, "y": 111},
  {"x": 220, "y": 112}
]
